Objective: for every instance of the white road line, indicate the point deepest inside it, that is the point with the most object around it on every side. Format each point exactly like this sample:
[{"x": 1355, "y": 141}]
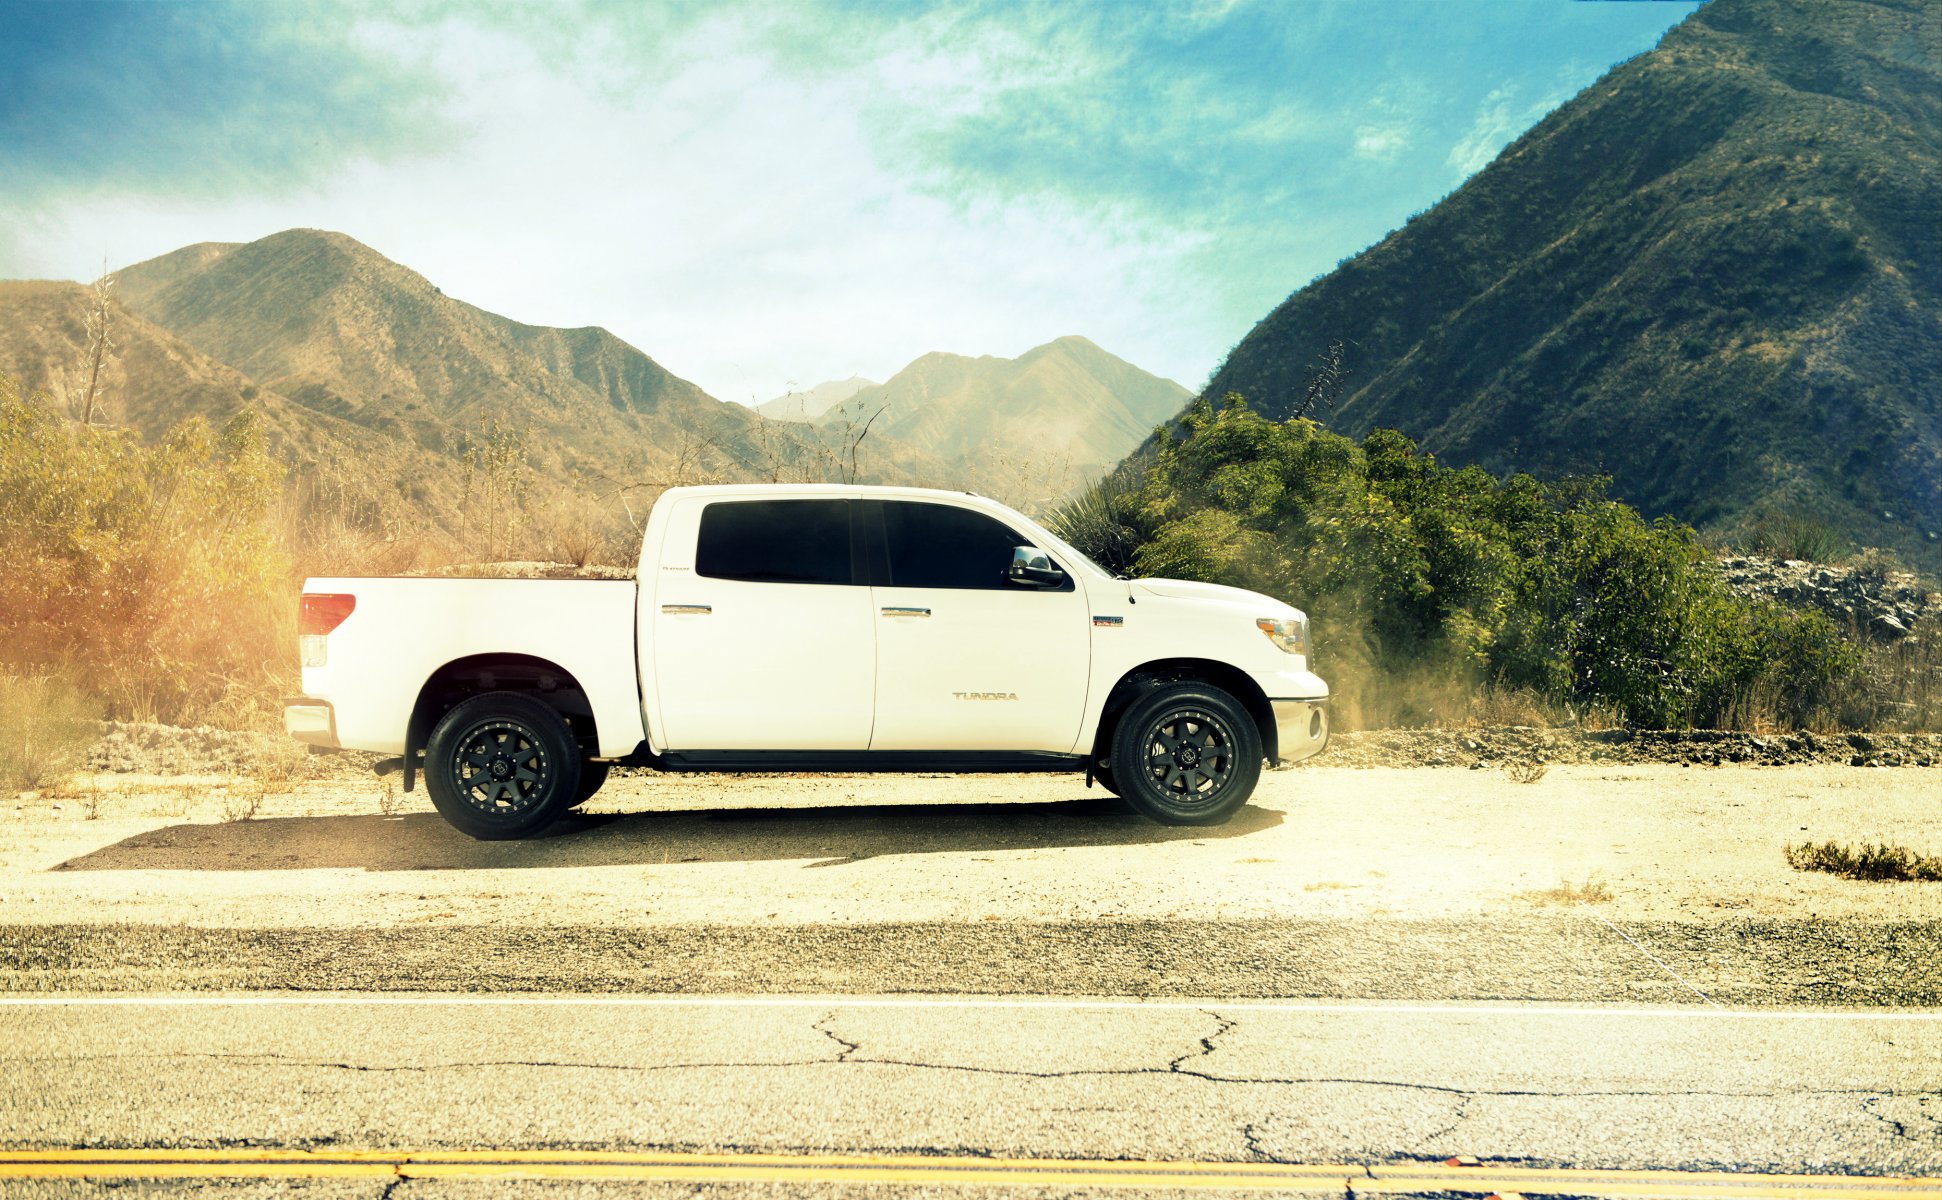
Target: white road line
[{"x": 386, "y": 1000}]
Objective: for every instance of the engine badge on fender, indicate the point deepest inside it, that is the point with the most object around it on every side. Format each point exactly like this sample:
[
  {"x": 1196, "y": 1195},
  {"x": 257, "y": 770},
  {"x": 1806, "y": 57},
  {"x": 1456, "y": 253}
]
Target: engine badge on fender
[{"x": 1108, "y": 622}]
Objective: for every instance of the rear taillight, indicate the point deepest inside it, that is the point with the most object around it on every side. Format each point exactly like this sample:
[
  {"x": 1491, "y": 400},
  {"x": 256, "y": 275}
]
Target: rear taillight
[
  {"x": 317, "y": 615},
  {"x": 324, "y": 611}
]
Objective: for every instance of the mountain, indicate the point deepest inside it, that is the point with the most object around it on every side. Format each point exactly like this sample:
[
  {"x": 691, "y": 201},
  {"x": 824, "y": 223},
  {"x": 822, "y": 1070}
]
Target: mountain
[
  {"x": 807, "y": 406},
  {"x": 1052, "y": 419},
  {"x": 153, "y": 380},
  {"x": 339, "y": 328},
  {"x": 1715, "y": 275}
]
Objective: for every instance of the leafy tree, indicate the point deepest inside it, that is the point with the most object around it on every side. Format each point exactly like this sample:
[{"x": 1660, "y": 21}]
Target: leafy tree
[{"x": 1425, "y": 582}]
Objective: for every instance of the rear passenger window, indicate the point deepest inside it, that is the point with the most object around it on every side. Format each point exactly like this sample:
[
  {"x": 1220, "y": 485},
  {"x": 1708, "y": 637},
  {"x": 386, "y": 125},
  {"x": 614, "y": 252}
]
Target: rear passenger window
[
  {"x": 775, "y": 541},
  {"x": 937, "y": 546}
]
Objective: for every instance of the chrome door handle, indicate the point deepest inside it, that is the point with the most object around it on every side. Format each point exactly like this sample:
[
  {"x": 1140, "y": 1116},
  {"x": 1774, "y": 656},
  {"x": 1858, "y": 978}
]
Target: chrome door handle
[
  {"x": 686, "y": 610},
  {"x": 906, "y": 612}
]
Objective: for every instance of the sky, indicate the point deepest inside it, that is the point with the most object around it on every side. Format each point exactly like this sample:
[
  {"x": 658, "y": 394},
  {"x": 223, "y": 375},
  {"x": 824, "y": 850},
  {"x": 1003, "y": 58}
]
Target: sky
[{"x": 765, "y": 194}]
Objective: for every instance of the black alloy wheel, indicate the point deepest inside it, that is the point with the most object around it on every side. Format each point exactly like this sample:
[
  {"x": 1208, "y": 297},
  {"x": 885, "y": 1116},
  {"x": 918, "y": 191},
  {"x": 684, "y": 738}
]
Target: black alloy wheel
[
  {"x": 1187, "y": 754},
  {"x": 502, "y": 765}
]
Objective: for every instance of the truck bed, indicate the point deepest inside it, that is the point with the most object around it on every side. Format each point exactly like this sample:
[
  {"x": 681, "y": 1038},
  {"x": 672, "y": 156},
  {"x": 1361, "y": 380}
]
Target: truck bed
[{"x": 409, "y": 628}]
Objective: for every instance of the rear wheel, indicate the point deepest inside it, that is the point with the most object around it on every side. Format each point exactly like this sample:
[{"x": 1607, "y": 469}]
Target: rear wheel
[
  {"x": 1187, "y": 754},
  {"x": 502, "y": 765}
]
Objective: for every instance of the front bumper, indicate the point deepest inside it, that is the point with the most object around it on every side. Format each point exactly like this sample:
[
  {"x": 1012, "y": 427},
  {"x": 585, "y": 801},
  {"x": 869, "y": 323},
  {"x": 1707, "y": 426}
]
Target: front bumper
[
  {"x": 310, "y": 720},
  {"x": 1301, "y": 728}
]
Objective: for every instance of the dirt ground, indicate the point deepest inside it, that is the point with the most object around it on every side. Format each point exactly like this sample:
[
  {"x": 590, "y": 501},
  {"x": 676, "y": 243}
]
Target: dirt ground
[{"x": 1632, "y": 842}]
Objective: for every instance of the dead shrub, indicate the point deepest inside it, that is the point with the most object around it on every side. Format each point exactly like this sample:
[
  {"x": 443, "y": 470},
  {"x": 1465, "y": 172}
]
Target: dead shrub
[
  {"x": 243, "y": 802},
  {"x": 1869, "y": 862},
  {"x": 1526, "y": 770},
  {"x": 1592, "y": 891}
]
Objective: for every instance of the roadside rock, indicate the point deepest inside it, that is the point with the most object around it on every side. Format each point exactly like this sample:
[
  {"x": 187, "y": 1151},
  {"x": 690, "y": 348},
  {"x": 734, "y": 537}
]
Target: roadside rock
[
  {"x": 146, "y": 749},
  {"x": 168, "y": 750},
  {"x": 1483, "y": 748},
  {"x": 1881, "y": 605}
]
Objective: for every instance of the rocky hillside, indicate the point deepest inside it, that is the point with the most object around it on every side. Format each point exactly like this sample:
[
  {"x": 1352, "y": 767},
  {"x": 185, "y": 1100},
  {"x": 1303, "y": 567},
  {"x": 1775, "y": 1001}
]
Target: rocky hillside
[
  {"x": 1716, "y": 275},
  {"x": 1060, "y": 414},
  {"x": 1885, "y": 605}
]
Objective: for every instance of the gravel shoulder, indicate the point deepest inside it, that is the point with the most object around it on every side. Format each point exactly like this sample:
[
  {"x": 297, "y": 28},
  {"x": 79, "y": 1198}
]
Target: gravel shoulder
[
  {"x": 1655, "y": 842},
  {"x": 1599, "y": 882}
]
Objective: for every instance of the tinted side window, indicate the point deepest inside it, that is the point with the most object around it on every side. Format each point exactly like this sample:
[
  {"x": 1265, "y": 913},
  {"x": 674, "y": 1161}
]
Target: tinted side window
[
  {"x": 775, "y": 541},
  {"x": 935, "y": 545}
]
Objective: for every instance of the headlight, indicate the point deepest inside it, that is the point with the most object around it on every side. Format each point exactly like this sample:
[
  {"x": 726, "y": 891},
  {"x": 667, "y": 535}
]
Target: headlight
[{"x": 1290, "y": 634}]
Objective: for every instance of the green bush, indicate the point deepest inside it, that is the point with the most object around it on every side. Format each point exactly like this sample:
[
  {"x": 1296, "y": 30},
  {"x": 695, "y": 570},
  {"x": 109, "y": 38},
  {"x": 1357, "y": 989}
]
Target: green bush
[
  {"x": 1425, "y": 583},
  {"x": 148, "y": 574},
  {"x": 46, "y": 726}
]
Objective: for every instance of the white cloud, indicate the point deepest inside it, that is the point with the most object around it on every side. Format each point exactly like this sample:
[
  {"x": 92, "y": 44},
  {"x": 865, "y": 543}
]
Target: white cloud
[
  {"x": 1381, "y": 143},
  {"x": 1500, "y": 119},
  {"x": 730, "y": 219}
]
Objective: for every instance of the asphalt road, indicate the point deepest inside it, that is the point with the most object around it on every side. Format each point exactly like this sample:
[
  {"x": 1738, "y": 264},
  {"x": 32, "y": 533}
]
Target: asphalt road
[
  {"x": 1691, "y": 1088},
  {"x": 1367, "y": 971}
]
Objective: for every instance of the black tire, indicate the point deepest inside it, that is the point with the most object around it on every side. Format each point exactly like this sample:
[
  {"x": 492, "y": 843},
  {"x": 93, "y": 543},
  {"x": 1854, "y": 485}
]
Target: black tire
[
  {"x": 1186, "y": 754},
  {"x": 1103, "y": 776},
  {"x": 592, "y": 775},
  {"x": 502, "y": 765}
]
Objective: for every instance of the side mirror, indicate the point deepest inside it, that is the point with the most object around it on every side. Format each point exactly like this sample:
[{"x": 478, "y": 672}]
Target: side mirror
[{"x": 1032, "y": 567}]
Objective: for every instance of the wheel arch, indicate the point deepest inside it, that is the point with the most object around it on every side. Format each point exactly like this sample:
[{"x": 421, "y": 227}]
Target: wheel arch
[
  {"x": 462, "y": 678},
  {"x": 1144, "y": 678}
]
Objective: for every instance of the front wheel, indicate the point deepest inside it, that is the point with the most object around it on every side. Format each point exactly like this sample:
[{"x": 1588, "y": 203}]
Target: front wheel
[
  {"x": 1187, "y": 754},
  {"x": 502, "y": 765}
]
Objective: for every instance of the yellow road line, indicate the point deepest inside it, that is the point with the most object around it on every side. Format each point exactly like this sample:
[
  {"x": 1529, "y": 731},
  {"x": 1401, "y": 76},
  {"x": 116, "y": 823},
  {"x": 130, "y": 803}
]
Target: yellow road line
[{"x": 645, "y": 1166}]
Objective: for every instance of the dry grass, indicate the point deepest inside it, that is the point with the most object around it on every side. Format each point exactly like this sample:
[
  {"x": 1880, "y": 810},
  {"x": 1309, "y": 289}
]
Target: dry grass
[
  {"x": 1496, "y": 707},
  {"x": 1869, "y": 862},
  {"x": 1526, "y": 770},
  {"x": 389, "y": 801},
  {"x": 1592, "y": 891},
  {"x": 243, "y": 802},
  {"x": 46, "y": 727}
]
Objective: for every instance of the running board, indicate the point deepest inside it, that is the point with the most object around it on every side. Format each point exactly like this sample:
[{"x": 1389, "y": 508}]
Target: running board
[{"x": 944, "y": 761}]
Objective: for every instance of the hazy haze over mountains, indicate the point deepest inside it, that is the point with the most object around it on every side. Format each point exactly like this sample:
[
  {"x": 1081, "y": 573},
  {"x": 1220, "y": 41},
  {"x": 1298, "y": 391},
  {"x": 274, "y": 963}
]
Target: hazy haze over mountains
[
  {"x": 813, "y": 403},
  {"x": 377, "y": 387},
  {"x": 1064, "y": 405},
  {"x": 1716, "y": 275}
]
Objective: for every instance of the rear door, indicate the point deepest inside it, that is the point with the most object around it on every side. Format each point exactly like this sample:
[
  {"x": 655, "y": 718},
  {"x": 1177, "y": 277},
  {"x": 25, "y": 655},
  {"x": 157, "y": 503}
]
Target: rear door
[
  {"x": 967, "y": 660},
  {"x": 766, "y": 640}
]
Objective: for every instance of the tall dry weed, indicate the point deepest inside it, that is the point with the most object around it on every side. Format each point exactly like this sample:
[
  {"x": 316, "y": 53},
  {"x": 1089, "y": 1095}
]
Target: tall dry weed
[{"x": 46, "y": 727}]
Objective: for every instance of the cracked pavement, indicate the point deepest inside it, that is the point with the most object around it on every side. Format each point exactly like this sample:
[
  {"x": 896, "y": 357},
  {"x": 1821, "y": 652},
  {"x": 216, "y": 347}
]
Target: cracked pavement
[{"x": 1686, "y": 1088}]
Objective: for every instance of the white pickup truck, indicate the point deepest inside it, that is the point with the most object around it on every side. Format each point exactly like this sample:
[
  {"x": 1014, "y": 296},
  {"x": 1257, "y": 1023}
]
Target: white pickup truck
[{"x": 811, "y": 627}]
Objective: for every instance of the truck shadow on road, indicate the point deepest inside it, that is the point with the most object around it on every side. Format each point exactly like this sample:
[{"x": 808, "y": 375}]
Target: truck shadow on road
[{"x": 823, "y": 837}]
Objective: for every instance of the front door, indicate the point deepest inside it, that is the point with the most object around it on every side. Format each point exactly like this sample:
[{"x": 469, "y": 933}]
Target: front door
[
  {"x": 766, "y": 641},
  {"x": 967, "y": 660}
]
